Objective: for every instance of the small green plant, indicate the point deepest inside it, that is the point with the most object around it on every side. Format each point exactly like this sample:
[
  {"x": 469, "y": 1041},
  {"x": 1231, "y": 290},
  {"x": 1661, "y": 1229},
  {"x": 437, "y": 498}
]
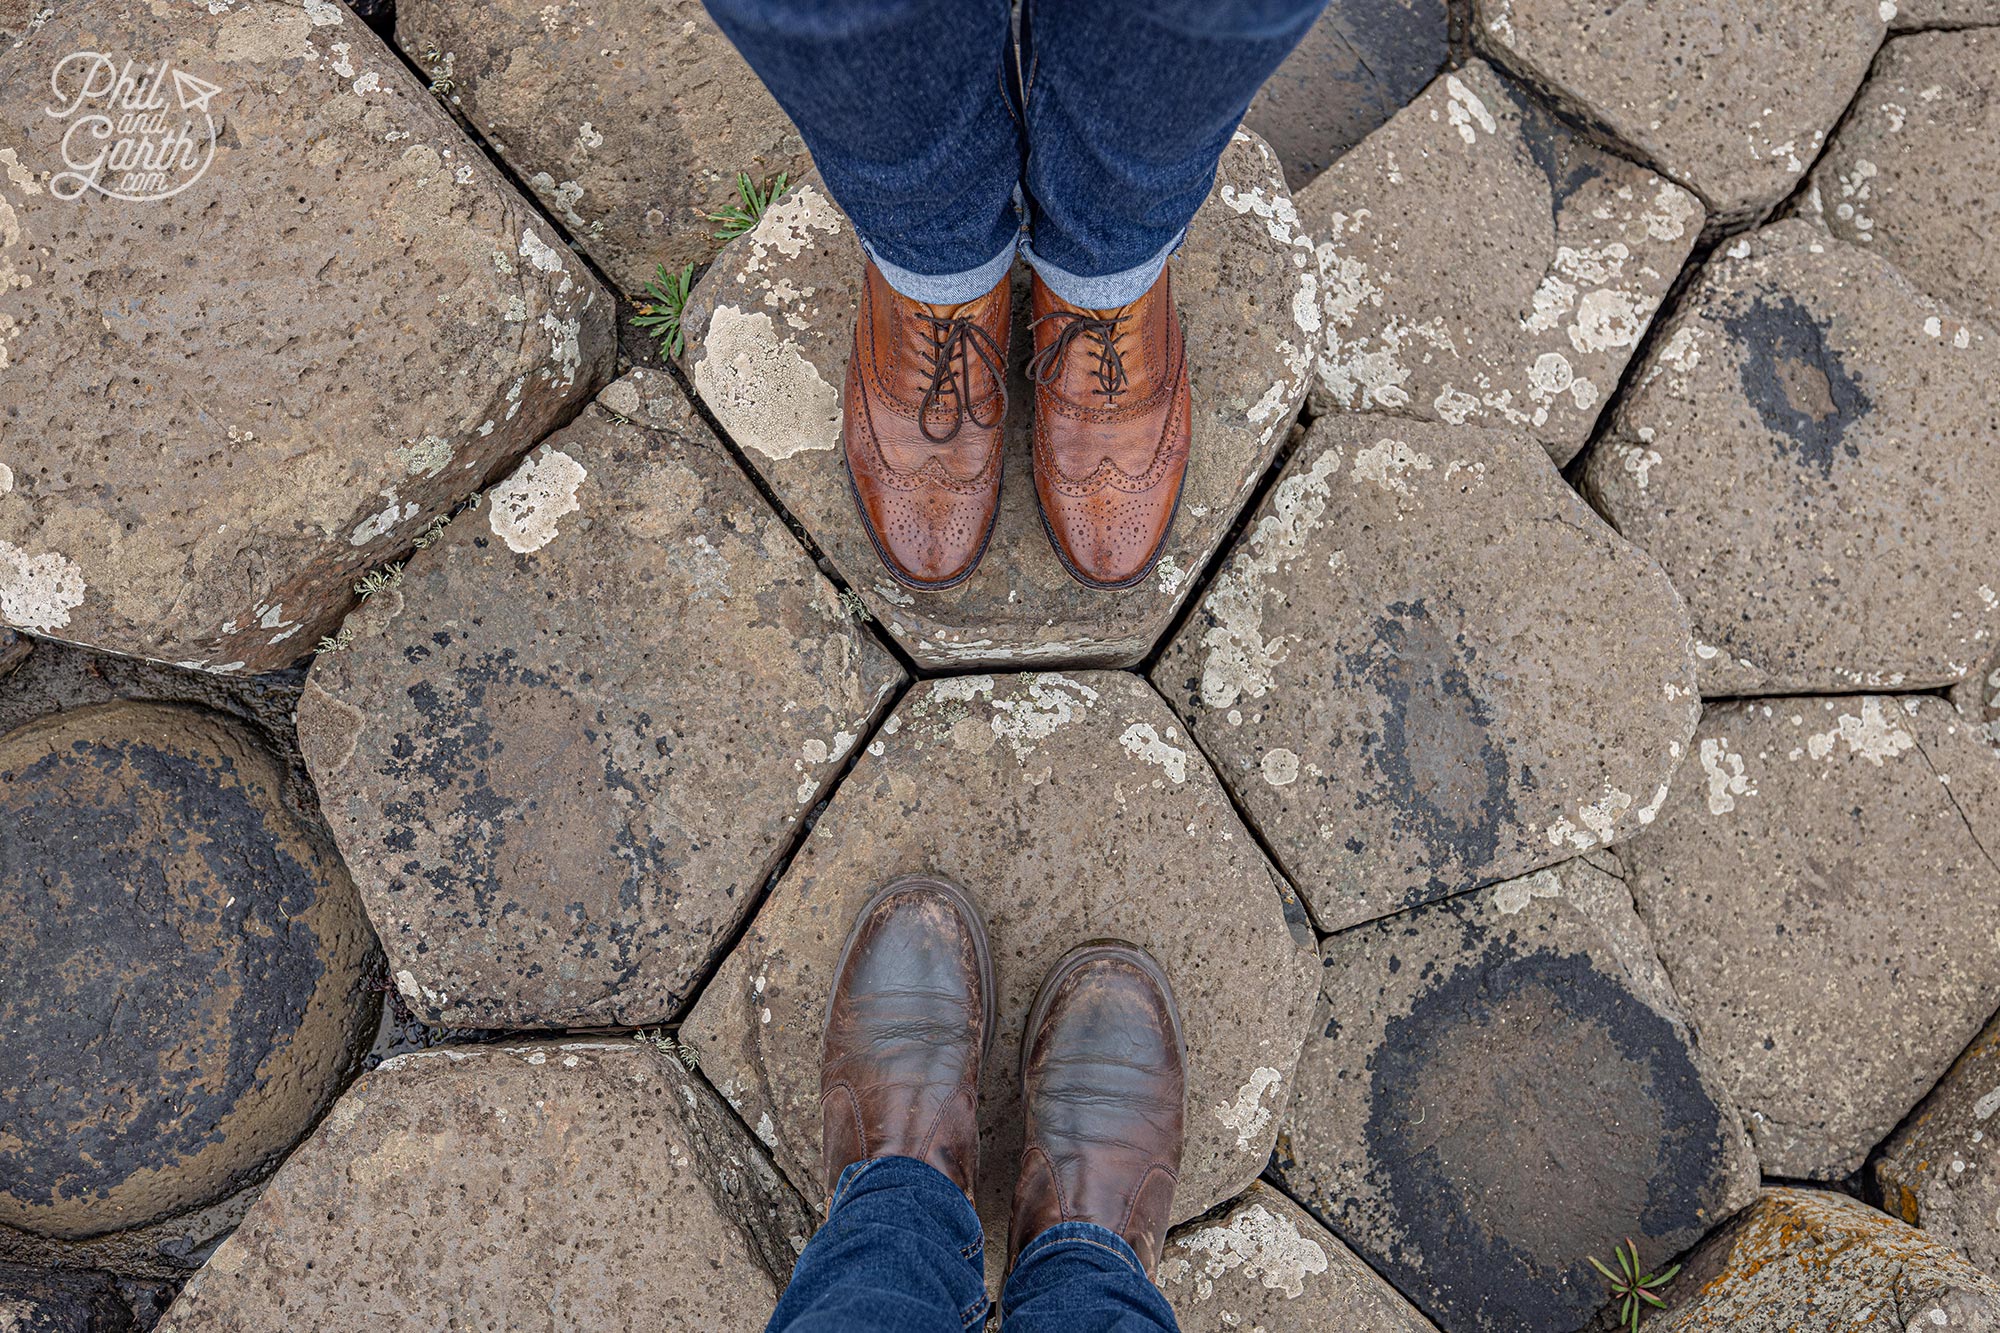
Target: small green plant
[
  {"x": 333, "y": 643},
  {"x": 740, "y": 217},
  {"x": 664, "y": 1041},
  {"x": 1632, "y": 1290},
  {"x": 851, "y": 603},
  {"x": 661, "y": 316},
  {"x": 377, "y": 579}
]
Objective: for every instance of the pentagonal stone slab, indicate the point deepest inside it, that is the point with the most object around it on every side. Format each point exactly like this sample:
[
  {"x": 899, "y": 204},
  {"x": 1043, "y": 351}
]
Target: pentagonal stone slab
[
  {"x": 1732, "y": 100},
  {"x": 343, "y": 321},
  {"x": 45, "y": 1300},
  {"x": 1822, "y": 866},
  {"x": 1501, "y": 1085},
  {"x": 185, "y": 960},
  {"x": 565, "y": 752},
  {"x": 1806, "y": 1259},
  {"x": 1939, "y": 1171},
  {"x": 1811, "y": 454},
  {"x": 1910, "y": 175},
  {"x": 1428, "y": 666},
  {"x": 629, "y": 120},
  {"x": 1071, "y": 808},
  {"x": 1360, "y": 63},
  {"x": 554, "y": 1187},
  {"x": 769, "y": 331},
  {"x": 1524, "y": 319},
  {"x": 1264, "y": 1263}
]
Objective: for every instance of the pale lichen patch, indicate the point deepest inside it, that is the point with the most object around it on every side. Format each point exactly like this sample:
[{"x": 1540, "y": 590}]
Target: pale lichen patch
[
  {"x": 762, "y": 387},
  {"x": 1248, "y": 1115},
  {"x": 37, "y": 592},
  {"x": 523, "y": 509},
  {"x": 1262, "y": 1244},
  {"x": 1142, "y": 741}
]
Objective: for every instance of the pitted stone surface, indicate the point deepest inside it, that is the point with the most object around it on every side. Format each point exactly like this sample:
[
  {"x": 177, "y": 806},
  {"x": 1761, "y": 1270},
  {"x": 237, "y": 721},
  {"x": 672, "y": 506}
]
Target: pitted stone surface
[
  {"x": 1428, "y": 666},
  {"x": 1524, "y": 317},
  {"x": 1944, "y": 14},
  {"x": 769, "y": 332},
  {"x": 553, "y": 1187},
  {"x": 564, "y": 754},
  {"x": 1500, "y": 1085},
  {"x": 629, "y": 119},
  {"x": 1070, "y": 808},
  {"x": 1734, "y": 100},
  {"x": 42, "y": 1300},
  {"x": 1940, "y": 1171},
  {"x": 1808, "y": 1259},
  {"x": 185, "y": 959},
  {"x": 1911, "y": 173},
  {"x": 1265, "y": 1263},
  {"x": 1811, "y": 455},
  {"x": 346, "y": 322},
  {"x": 1360, "y": 63},
  {"x": 1824, "y": 862}
]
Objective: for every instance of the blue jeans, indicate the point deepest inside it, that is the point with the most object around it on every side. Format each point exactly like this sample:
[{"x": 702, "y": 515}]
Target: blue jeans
[
  {"x": 1088, "y": 145},
  {"x": 901, "y": 1252}
]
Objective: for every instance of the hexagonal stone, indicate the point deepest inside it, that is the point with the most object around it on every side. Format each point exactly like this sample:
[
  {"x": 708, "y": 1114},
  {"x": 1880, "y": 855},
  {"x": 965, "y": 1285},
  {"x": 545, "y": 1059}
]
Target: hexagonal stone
[
  {"x": 1733, "y": 100},
  {"x": 553, "y": 1187},
  {"x": 1810, "y": 1259},
  {"x": 1527, "y": 318},
  {"x": 1823, "y": 866},
  {"x": 629, "y": 119},
  {"x": 1811, "y": 454},
  {"x": 1071, "y": 808},
  {"x": 1938, "y": 1172},
  {"x": 185, "y": 959},
  {"x": 45, "y": 1300},
  {"x": 769, "y": 332},
  {"x": 1360, "y": 63},
  {"x": 564, "y": 754},
  {"x": 1264, "y": 1263},
  {"x": 1910, "y": 174},
  {"x": 1501, "y": 1085},
  {"x": 1428, "y": 666},
  {"x": 341, "y": 320}
]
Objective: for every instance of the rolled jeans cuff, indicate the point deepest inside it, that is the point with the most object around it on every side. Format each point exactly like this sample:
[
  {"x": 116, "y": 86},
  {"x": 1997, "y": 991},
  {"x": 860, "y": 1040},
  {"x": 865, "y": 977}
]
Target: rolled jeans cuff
[
  {"x": 944, "y": 288},
  {"x": 1112, "y": 289},
  {"x": 1076, "y": 1234}
]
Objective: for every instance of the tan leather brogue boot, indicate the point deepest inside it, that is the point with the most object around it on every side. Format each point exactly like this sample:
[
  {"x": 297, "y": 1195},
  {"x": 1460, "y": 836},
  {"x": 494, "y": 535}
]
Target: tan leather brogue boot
[
  {"x": 1104, "y": 1083},
  {"x": 921, "y": 421},
  {"x": 1112, "y": 428},
  {"x": 906, "y": 1030}
]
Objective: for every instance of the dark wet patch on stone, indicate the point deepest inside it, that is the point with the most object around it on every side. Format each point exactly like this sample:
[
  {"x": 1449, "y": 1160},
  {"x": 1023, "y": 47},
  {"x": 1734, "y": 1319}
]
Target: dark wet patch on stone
[
  {"x": 1799, "y": 386},
  {"x": 41, "y": 1300},
  {"x": 1540, "y": 1057}
]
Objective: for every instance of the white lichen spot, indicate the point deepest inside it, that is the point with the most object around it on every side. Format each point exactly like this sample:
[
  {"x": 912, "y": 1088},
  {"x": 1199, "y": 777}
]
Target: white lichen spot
[
  {"x": 1262, "y": 1244},
  {"x": 1513, "y": 897},
  {"x": 1389, "y": 464},
  {"x": 1170, "y": 575},
  {"x": 1052, "y": 702},
  {"x": 762, "y": 388},
  {"x": 6, "y": 479},
  {"x": 1248, "y": 1115},
  {"x": 1142, "y": 741},
  {"x": 1872, "y": 735},
  {"x": 1281, "y": 767},
  {"x": 1467, "y": 111},
  {"x": 1726, "y": 778},
  {"x": 539, "y": 253},
  {"x": 523, "y": 509}
]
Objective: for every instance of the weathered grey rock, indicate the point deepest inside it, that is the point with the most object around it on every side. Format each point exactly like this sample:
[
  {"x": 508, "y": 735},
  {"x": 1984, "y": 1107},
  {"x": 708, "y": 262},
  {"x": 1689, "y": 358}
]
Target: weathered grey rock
[
  {"x": 343, "y": 320},
  {"x": 1360, "y": 63},
  {"x": 1428, "y": 666},
  {"x": 1520, "y": 314},
  {"x": 1264, "y": 1263},
  {"x": 565, "y": 752},
  {"x": 1733, "y": 100},
  {"x": 1070, "y": 808},
  {"x": 629, "y": 119},
  {"x": 1910, "y": 174},
  {"x": 769, "y": 331},
  {"x": 1811, "y": 454},
  {"x": 1939, "y": 1171},
  {"x": 554, "y": 1187},
  {"x": 186, "y": 967},
  {"x": 1807, "y": 1259},
  {"x": 1819, "y": 867},
  {"x": 53, "y": 1300},
  {"x": 1501, "y": 1085},
  {"x": 1977, "y": 699},
  {"x": 1911, "y": 14}
]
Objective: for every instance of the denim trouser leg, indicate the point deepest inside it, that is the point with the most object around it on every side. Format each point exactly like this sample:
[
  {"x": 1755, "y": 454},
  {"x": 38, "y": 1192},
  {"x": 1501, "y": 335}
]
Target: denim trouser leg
[
  {"x": 901, "y": 1252},
  {"x": 907, "y": 107},
  {"x": 1130, "y": 104}
]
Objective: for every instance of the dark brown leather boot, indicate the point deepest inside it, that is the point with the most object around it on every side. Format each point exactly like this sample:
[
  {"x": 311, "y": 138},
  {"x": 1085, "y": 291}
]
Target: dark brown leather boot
[
  {"x": 926, "y": 398},
  {"x": 1104, "y": 1083},
  {"x": 906, "y": 1029},
  {"x": 1112, "y": 426}
]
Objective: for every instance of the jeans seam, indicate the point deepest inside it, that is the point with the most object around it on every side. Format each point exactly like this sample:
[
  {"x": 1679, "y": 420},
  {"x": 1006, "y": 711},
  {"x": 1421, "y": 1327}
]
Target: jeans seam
[{"x": 1097, "y": 1244}]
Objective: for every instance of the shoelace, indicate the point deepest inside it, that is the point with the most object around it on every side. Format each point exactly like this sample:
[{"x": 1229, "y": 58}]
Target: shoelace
[
  {"x": 954, "y": 342},
  {"x": 1047, "y": 363}
]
